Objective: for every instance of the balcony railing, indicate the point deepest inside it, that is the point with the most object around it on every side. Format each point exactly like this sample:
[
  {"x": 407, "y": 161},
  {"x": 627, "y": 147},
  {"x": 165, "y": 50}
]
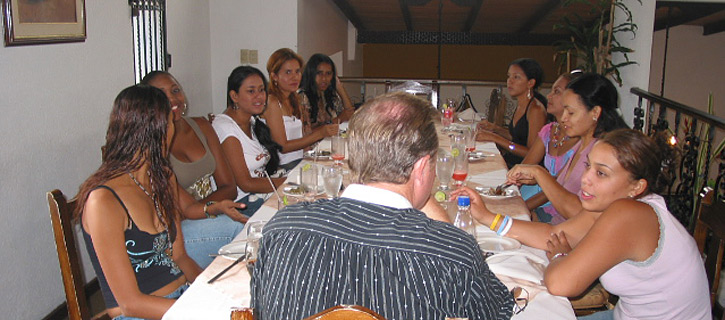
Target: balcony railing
[{"x": 699, "y": 137}]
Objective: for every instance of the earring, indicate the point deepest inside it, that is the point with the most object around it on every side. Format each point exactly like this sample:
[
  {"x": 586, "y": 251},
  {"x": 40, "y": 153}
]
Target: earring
[
  {"x": 595, "y": 119},
  {"x": 235, "y": 106},
  {"x": 528, "y": 94},
  {"x": 183, "y": 112}
]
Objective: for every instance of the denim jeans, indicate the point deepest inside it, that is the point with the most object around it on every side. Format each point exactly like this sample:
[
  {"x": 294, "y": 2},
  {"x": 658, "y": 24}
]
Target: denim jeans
[
  {"x": 174, "y": 295},
  {"x": 205, "y": 236},
  {"x": 601, "y": 315}
]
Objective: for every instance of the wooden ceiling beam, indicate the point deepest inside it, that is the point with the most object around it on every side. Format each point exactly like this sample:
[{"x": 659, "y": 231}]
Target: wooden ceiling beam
[
  {"x": 350, "y": 13},
  {"x": 538, "y": 16},
  {"x": 472, "y": 16},
  {"x": 713, "y": 28},
  {"x": 406, "y": 15}
]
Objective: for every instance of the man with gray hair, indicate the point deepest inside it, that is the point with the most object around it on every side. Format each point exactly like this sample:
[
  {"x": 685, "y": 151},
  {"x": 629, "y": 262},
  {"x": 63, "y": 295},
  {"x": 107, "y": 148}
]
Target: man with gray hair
[{"x": 373, "y": 246}]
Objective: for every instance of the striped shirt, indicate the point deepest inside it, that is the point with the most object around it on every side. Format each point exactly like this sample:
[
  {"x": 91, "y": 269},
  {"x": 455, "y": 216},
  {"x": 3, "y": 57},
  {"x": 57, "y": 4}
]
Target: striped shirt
[{"x": 396, "y": 262}]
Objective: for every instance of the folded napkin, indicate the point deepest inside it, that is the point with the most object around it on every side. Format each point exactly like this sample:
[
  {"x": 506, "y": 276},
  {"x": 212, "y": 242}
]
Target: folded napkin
[
  {"x": 518, "y": 264},
  {"x": 490, "y": 179},
  {"x": 487, "y": 146}
]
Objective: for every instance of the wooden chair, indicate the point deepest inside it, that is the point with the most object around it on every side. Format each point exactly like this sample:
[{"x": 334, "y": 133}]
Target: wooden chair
[
  {"x": 346, "y": 312},
  {"x": 61, "y": 216},
  {"x": 593, "y": 300},
  {"x": 710, "y": 238}
]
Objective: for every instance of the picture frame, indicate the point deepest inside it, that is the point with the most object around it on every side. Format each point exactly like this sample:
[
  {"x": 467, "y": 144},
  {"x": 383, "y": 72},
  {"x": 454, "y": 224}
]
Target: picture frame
[{"x": 29, "y": 22}]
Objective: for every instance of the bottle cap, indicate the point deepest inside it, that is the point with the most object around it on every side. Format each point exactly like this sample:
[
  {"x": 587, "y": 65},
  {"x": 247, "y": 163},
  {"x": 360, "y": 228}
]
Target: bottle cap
[{"x": 464, "y": 201}]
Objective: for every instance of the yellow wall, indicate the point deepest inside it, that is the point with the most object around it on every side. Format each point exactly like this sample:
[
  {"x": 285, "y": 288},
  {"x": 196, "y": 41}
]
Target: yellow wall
[{"x": 459, "y": 62}]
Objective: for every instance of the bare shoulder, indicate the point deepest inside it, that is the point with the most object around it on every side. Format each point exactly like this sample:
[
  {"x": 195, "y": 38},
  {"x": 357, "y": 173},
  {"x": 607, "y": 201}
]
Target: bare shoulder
[
  {"x": 272, "y": 107},
  {"x": 206, "y": 127},
  {"x": 102, "y": 206},
  {"x": 629, "y": 213},
  {"x": 537, "y": 108}
]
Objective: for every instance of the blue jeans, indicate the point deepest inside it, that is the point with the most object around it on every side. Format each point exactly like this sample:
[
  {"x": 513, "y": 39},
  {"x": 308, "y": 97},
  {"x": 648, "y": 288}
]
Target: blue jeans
[
  {"x": 601, "y": 315},
  {"x": 174, "y": 295},
  {"x": 205, "y": 236}
]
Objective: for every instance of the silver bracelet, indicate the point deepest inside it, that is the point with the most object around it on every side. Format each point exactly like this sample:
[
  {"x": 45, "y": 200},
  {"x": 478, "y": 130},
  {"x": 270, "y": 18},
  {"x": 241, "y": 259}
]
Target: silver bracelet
[{"x": 560, "y": 254}]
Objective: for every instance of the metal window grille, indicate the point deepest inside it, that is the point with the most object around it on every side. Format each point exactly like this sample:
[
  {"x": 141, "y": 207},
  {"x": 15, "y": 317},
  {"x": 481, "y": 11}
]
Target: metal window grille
[{"x": 148, "y": 19}]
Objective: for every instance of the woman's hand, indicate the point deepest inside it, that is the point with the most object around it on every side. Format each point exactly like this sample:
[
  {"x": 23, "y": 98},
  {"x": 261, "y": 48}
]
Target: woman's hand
[
  {"x": 486, "y": 135},
  {"x": 478, "y": 208},
  {"x": 557, "y": 246},
  {"x": 330, "y": 130},
  {"x": 229, "y": 208},
  {"x": 523, "y": 174}
]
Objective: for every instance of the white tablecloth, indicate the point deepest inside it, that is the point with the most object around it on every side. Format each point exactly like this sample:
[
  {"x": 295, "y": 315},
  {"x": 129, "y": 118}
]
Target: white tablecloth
[{"x": 519, "y": 267}]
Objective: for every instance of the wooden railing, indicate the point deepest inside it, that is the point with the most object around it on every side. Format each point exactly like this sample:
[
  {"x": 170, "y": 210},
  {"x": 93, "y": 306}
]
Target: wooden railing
[{"x": 694, "y": 133}]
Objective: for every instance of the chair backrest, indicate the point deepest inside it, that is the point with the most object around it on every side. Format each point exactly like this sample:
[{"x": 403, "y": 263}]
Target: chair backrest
[
  {"x": 61, "y": 216},
  {"x": 346, "y": 312},
  {"x": 711, "y": 222}
]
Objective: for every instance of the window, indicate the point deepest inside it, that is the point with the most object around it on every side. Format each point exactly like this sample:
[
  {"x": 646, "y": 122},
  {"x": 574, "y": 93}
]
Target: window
[{"x": 148, "y": 19}]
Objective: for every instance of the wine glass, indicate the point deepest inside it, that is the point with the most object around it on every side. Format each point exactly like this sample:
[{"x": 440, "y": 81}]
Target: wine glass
[
  {"x": 338, "y": 149},
  {"x": 332, "y": 180}
]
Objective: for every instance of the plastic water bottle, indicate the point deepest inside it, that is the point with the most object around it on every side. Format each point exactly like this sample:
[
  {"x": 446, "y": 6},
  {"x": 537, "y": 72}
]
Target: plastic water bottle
[{"x": 464, "y": 220}]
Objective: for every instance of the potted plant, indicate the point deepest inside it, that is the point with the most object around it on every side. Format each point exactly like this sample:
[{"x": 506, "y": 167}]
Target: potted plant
[{"x": 592, "y": 42}]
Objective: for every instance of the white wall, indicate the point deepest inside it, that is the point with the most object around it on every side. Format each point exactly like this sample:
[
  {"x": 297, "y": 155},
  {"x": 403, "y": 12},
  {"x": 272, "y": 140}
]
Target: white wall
[
  {"x": 635, "y": 76},
  {"x": 190, "y": 48},
  {"x": 694, "y": 67},
  {"x": 323, "y": 28},
  {"x": 55, "y": 100},
  {"x": 261, "y": 25}
]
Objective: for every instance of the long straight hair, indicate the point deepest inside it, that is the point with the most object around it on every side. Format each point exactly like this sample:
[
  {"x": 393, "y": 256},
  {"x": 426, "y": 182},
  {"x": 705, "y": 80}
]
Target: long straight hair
[
  {"x": 309, "y": 86},
  {"x": 137, "y": 134},
  {"x": 274, "y": 64},
  {"x": 261, "y": 130}
]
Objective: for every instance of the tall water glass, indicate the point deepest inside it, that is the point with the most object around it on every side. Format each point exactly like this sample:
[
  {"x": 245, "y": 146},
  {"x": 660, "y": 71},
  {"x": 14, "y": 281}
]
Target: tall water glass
[
  {"x": 470, "y": 137},
  {"x": 444, "y": 169},
  {"x": 332, "y": 180},
  {"x": 254, "y": 236},
  {"x": 338, "y": 149},
  {"x": 308, "y": 180}
]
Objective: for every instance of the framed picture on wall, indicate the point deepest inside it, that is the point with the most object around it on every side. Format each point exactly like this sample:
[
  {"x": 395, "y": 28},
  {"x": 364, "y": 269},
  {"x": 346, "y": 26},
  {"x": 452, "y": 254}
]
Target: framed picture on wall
[{"x": 43, "y": 21}]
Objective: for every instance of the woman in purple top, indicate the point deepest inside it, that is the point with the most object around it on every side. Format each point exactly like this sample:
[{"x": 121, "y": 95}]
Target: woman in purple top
[
  {"x": 554, "y": 147},
  {"x": 590, "y": 109}
]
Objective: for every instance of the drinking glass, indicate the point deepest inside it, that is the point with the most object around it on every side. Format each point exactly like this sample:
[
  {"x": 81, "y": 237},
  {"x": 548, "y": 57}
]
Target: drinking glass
[
  {"x": 254, "y": 236},
  {"x": 470, "y": 138},
  {"x": 338, "y": 149},
  {"x": 332, "y": 180},
  {"x": 444, "y": 169},
  {"x": 460, "y": 159},
  {"x": 308, "y": 180}
]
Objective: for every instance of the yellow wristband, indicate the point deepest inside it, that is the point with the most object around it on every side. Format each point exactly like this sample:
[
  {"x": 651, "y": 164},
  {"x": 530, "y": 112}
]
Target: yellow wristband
[{"x": 495, "y": 221}]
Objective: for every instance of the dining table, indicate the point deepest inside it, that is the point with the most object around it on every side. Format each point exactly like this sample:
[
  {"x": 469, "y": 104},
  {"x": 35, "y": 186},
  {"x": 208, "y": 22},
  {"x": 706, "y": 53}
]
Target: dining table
[{"x": 514, "y": 264}]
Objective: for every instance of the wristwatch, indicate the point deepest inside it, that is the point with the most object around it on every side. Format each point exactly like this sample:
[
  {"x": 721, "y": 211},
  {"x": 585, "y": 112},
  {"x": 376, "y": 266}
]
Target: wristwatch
[{"x": 206, "y": 206}]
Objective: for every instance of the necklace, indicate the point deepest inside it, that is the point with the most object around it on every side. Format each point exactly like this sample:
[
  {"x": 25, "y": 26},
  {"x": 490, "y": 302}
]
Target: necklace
[
  {"x": 556, "y": 140},
  {"x": 169, "y": 248}
]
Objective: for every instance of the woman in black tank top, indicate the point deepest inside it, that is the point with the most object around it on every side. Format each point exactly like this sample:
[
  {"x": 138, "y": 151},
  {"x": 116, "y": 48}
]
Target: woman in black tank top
[
  {"x": 523, "y": 79},
  {"x": 129, "y": 210}
]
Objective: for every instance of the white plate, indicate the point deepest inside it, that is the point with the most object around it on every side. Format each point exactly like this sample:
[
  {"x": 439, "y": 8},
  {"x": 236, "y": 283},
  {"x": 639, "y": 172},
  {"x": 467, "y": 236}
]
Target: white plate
[
  {"x": 233, "y": 250},
  {"x": 296, "y": 191},
  {"x": 321, "y": 154},
  {"x": 507, "y": 193},
  {"x": 494, "y": 243},
  {"x": 478, "y": 155}
]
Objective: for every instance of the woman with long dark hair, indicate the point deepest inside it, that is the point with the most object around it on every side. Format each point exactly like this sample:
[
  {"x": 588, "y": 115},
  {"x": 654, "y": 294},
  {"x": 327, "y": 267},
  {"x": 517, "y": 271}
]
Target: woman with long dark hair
[
  {"x": 129, "y": 212},
  {"x": 202, "y": 172},
  {"x": 288, "y": 122},
  {"x": 524, "y": 77},
  {"x": 246, "y": 140},
  {"x": 322, "y": 94}
]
